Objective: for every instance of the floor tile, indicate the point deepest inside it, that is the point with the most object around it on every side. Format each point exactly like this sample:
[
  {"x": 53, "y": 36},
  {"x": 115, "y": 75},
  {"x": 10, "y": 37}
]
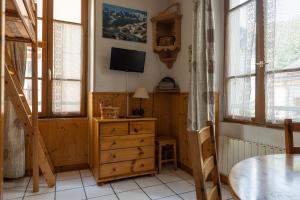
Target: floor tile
[
  {"x": 42, "y": 190},
  {"x": 16, "y": 182},
  {"x": 108, "y": 197},
  {"x": 182, "y": 174},
  {"x": 189, "y": 195},
  {"x": 89, "y": 181},
  {"x": 86, "y": 173},
  {"x": 124, "y": 185},
  {"x": 97, "y": 191},
  {"x": 171, "y": 198},
  {"x": 168, "y": 177},
  {"x": 42, "y": 182},
  {"x": 68, "y": 175},
  {"x": 48, "y": 196},
  {"x": 68, "y": 184},
  {"x": 74, "y": 194},
  {"x": 158, "y": 191},
  {"x": 14, "y": 193},
  {"x": 191, "y": 181},
  {"x": 181, "y": 187},
  {"x": 133, "y": 195},
  {"x": 147, "y": 181}
]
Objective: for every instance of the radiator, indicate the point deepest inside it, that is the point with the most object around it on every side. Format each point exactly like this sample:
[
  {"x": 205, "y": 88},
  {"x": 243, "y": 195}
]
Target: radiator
[{"x": 232, "y": 151}]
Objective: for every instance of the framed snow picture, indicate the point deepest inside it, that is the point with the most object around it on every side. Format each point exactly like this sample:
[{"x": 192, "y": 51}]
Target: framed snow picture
[{"x": 124, "y": 23}]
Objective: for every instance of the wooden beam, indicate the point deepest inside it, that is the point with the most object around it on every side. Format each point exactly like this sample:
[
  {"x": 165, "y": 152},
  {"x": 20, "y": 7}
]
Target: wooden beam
[
  {"x": 35, "y": 138},
  {"x": 2, "y": 60}
]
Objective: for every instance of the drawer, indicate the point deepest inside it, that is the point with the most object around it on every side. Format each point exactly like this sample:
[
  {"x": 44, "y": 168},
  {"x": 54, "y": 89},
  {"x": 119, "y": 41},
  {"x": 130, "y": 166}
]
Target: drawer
[
  {"x": 146, "y": 127},
  {"x": 121, "y": 142},
  {"x": 126, "y": 154},
  {"x": 112, "y": 129},
  {"x": 126, "y": 167}
]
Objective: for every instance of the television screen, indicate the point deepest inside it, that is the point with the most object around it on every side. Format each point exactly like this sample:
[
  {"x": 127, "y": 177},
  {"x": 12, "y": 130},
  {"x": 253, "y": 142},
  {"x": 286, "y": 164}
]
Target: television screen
[{"x": 127, "y": 60}]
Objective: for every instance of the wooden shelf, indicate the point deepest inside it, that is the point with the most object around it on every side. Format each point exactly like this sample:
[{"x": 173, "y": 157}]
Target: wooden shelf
[{"x": 167, "y": 24}]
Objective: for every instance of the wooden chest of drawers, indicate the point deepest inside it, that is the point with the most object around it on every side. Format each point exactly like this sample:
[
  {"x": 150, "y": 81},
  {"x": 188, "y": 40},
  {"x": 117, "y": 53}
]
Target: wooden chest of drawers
[{"x": 122, "y": 148}]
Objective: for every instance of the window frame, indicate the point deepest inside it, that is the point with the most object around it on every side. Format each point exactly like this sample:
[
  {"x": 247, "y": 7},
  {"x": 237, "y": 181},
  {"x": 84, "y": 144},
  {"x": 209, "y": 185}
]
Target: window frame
[
  {"x": 259, "y": 74},
  {"x": 47, "y": 61},
  {"x": 260, "y": 107}
]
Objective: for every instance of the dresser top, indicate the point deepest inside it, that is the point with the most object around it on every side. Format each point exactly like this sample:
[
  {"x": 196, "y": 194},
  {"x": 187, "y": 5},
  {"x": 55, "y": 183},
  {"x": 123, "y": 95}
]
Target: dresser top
[{"x": 98, "y": 119}]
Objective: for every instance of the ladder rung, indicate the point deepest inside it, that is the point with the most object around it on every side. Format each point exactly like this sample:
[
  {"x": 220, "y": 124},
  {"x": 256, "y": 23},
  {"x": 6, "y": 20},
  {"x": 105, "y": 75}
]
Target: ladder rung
[
  {"x": 11, "y": 73},
  {"x": 21, "y": 95}
]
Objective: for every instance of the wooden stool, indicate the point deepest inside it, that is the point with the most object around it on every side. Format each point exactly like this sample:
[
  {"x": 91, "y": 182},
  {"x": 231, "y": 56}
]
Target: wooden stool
[{"x": 164, "y": 141}]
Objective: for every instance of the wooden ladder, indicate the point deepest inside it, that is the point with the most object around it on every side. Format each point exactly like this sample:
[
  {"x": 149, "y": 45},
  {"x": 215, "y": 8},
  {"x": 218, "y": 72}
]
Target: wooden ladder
[{"x": 19, "y": 101}]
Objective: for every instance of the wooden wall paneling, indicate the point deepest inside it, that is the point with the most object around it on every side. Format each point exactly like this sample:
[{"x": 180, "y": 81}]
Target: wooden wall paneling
[
  {"x": 66, "y": 141},
  {"x": 109, "y": 98},
  {"x": 147, "y": 104},
  {"x": 161, "y": 110},
  {"x": 2, "y": 41}
]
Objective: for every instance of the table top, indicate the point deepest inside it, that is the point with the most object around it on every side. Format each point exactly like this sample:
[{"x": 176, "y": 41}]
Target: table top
[{"x": 266, "y": 178}]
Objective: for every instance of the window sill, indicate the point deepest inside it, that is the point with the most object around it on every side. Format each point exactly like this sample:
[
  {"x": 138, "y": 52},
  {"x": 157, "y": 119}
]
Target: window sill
[{"x": 253, "y": 123}]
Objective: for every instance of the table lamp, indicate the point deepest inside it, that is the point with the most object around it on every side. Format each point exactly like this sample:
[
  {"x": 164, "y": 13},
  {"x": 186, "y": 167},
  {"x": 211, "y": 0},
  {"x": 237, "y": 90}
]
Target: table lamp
[{"x": 140, "y": 93}]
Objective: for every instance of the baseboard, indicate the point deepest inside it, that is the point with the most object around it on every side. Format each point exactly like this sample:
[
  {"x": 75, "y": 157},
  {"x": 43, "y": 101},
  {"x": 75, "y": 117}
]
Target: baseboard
[
  {"x": 185, "y": 168},
  {"x": 64, "y": 168}
]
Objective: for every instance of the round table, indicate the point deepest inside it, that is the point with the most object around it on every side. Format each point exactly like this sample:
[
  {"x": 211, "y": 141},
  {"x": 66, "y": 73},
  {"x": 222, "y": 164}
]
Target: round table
[{"x": 271, "y": 177}]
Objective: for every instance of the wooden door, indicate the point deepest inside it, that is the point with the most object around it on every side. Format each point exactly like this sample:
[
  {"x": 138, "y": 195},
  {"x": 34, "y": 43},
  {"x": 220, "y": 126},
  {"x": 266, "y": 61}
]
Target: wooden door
[{"x": 2, "y": 40}]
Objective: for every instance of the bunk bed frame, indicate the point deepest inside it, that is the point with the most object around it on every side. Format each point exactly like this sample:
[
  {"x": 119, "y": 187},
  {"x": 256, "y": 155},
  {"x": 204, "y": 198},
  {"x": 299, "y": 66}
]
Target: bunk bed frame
[{"x": 21, "y": 26}]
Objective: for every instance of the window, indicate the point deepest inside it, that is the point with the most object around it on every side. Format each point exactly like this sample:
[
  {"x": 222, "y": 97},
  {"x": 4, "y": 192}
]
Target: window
[
  {"x": 263, "y": 60},
  {"x": 61, "y": 61}
]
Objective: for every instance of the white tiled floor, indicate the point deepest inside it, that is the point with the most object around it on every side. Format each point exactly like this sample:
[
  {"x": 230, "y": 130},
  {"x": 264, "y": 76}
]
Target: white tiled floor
[{"x": 80, "y": 185}]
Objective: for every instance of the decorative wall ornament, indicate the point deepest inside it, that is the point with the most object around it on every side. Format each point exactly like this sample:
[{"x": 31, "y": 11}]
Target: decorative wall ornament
[{"x": 124, "y": 23}]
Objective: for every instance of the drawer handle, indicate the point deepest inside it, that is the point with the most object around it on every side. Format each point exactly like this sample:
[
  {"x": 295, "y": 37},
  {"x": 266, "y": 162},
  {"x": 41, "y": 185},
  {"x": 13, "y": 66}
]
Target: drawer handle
[
  {"x": 136, "y": 130},
  {"x": 113, "y": 130},
  {"x": 142, "y": 140},
  {"x": 114, "y": 142},
  {"x": 141, "y": 151},
  {"x": 114, "y": 169},
  {"x": 114, "y": 156},
  {"x": 142, "y": 165}
]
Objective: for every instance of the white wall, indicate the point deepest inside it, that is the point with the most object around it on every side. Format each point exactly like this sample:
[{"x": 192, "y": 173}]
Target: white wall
[
  {"x": 180, "y": 69},
  {"x": 115, "y": 81}
]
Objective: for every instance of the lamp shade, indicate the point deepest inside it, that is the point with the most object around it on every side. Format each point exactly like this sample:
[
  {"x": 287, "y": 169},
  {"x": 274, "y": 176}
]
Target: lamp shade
[{"x": 141, "y": 93}]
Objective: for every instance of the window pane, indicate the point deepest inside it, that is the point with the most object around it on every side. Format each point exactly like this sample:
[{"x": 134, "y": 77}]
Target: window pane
[
  {"x": 241, "y": 97},
  {"x": 241, "y": 42},
  {"x": 282, "y": 22},
  {"x": 283, "y": 99},
  {"x": 66, "y": 96},
  {"x": 40, "y": 30},
  {"x": 234, "y": 3},
  {"x": 67, "y": 10},
  {"x": 28, "y": 72},
  {"x": 39, "y": 8},
  {"x": 282, "y": 52},
  {"x": 28, "y": 93},
  {"x": 67, "y": 51}
]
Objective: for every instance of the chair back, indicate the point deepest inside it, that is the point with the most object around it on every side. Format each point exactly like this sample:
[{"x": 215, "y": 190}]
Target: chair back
[
  {"x": 289, "y": 128},
  {"x": 205, "y": 168}
]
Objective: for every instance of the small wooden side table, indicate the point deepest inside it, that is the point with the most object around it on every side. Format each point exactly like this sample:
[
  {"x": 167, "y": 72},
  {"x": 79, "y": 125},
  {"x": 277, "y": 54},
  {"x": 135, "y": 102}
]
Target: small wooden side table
[{"x": 164, "y": 141}]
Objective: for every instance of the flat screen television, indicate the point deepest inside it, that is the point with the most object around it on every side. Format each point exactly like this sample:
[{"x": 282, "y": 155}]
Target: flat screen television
[{"x": 127, "y": 60}]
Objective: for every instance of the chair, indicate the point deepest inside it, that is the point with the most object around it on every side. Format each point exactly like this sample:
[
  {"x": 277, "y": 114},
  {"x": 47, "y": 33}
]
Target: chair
[
  {"x": 289, "y": 128},
  {"x": 165, "y": 141},
  {"x": 204, "y": 159}
]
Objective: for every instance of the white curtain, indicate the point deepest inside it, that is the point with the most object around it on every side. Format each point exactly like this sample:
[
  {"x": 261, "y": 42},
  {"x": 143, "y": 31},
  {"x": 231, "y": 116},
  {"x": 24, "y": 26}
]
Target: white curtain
[
  {"x": 241, "y": 61},
  {"x": 201, "y": 97},
  {"x": 14, "y": 138},
  {"x": 282, "y": 53}
]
